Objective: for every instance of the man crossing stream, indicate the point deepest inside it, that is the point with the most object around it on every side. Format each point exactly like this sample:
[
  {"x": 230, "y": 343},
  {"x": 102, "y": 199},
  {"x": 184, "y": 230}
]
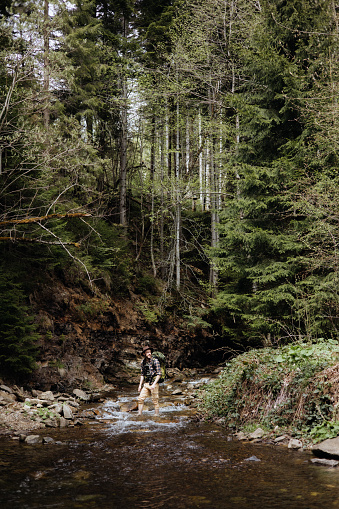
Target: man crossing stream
[{"x": 150, "y": 376}]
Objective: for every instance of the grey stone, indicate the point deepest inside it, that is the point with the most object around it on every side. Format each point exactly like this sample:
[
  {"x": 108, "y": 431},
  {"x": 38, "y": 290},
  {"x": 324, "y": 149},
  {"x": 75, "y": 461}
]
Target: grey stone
[
  {"x": 33, "y": 439},
  {"x": 6, "y": 389},
  {"x": 74, "y": 404},
  {"x": 327, "y": 448},
  {"x": 81, "y": 394},
  {"x": 36, "y": 401},
  {"x": 57, "y": 408},
  {"x": 51, "y": 423},
  {"x": 294, "y": 444},
  {"x": 325, "y": 462},
  {"x": 241, "y": 435},
  {"x": 280, "y": 439},
  {"x": 67, "y": 412},
  {"x": 7, "y": 396},
  {"x": 258, "y": 433},
  {"x": 252, "y": 458},
  {"x": 63, "y": 423},
  {"x": 48, "y": 440},
  {"x": 48, "y": 395}
]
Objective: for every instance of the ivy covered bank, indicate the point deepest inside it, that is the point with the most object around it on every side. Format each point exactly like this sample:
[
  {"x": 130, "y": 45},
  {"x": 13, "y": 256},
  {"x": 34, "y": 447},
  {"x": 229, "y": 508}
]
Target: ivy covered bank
[{"x": 294, "y": 390}]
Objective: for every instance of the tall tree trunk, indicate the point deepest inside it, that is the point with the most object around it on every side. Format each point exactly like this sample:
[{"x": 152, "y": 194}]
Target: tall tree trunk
[
  {"x": 201, "y": 173},
  {"x": 46, "y": 64},
  {"x": 178, "y": 203},
  {"x": 162, "y": 165},
  {"x": 152, "y": 195},
  {"x": 123, "y": 140}
]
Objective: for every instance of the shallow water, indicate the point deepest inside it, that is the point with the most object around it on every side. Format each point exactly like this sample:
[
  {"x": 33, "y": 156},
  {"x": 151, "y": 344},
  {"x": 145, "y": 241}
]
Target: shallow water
[{"x": 122, "y": 460}]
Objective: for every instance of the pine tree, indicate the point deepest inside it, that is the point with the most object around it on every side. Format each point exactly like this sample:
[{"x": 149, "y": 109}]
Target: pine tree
[
  {"x": 18, "y": 337},
  {"x": 261, "y": 257}
]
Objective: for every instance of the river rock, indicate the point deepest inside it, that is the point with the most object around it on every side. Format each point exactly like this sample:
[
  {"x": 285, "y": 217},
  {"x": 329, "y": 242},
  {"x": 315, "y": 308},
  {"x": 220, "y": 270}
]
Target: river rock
[
  {"x": 36, "y": 401},
  {"x": 258, "y": 433},
  {"x": 48, "y": 440},
  {"x": 6, "y": 389},
  {"x": 327, "y": 448},
  {"x": 72, "y": 403},
  {"x": 81, "y": 394},
  {"x": 7, "y": 396},
  {"x": 325, "y": 462},
  {"x": 280, "y": 439},
  {"x": 48, "y": 396},
  {"x": 51, "y": 423},
  {"x": 129, "y": 407},
  {"x": 56, "y": 408},
  {"x": 20, "y": 395},
  {"x": 294, "y": 443},
  {"x": 33, "y": 439},
  {"x": 241, "y": 435},
  {"x": 67, "y": 412},
  {"x": 63, "y": 423}
]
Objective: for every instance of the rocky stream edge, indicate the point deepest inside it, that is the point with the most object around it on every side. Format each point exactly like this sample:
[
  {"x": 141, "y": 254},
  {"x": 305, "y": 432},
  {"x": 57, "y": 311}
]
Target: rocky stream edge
[{"x": 23, "y": 412}]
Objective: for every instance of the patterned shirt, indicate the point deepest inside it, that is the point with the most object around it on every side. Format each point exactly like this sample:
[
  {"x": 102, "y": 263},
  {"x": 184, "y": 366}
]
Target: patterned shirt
[{"x": 150, "y": 369}]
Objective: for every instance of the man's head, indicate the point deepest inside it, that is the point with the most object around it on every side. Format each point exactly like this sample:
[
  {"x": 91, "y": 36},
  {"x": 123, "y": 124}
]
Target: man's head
[{"x": 147, "y": 351}]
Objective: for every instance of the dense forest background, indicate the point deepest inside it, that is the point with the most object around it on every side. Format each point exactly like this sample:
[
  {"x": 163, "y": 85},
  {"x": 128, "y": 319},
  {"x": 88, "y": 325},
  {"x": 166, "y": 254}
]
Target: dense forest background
[{"x": 185, "y": 151}]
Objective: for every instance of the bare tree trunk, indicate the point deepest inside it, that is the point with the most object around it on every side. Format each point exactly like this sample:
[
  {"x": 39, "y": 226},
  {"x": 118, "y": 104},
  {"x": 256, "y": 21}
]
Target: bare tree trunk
[
  {"x": 207, "y": 176},
  {"x": 178, "y": 203},
  {"x": 123, "y": 142},
  {"x": 162, "y": 164},
  {"x": 201, "y": 174},
  {"x": 214, "y": 216},
  {"x": 152, "y": 195},
  {"x": 187, "y": 145},
  {"x": 46, "y": 64}
]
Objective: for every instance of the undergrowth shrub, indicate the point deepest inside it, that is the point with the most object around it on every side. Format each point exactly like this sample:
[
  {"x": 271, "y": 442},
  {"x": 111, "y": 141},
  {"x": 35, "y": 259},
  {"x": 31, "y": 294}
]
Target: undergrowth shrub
[{"x": 296, "y": 386}]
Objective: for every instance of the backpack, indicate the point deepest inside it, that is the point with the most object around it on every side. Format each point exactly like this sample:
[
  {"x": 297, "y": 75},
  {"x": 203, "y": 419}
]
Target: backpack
[{"x": 162, "y": 359}]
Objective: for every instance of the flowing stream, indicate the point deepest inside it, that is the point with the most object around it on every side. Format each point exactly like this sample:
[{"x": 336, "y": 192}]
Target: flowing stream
[{"x": 121, "y": 460}]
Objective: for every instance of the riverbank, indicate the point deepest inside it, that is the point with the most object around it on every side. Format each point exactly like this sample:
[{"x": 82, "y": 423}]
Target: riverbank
[
  {"x": 291, "y": 391},
  {"x": 24, "y": 410}
]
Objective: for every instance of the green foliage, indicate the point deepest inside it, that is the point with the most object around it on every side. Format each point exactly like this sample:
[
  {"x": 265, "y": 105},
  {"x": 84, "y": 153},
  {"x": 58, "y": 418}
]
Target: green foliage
[
  {"x": 92, "y": 309},
  {"x": 149, "y": 312},
  {"x": 146, "y": 285},
  {"x": 18, "y": 335},
  {"x": 45, "y": 413},
  {"x": 289, "y": 387},
  {"x": 324, "y": 430},
  {"x": 196, "y": 322}
]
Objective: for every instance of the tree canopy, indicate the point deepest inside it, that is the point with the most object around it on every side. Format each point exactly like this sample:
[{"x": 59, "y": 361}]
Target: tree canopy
[{"x": 196, "y": 141}]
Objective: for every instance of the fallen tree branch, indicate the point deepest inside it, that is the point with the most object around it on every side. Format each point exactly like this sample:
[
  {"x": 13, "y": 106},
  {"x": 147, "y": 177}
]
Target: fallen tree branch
[
  {"x": 39, "y": 241},
  {"x": 44, "y": 218}
]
